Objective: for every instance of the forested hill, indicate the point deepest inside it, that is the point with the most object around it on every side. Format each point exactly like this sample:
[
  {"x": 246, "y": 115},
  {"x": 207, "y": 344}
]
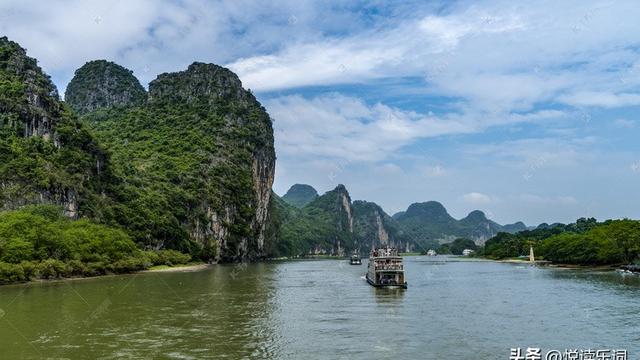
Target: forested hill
[
  {"x": 188, "y": 166},
  {"x": 196, "y": 159}
]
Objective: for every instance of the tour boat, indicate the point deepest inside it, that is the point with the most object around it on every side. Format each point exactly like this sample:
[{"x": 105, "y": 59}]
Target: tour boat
[
  {"x": 385, "y": 269},
  {"x": 355, "y": 260}
]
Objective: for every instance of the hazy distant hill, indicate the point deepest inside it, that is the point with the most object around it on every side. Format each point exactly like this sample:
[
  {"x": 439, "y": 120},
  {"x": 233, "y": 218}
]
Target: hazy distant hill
[
  {"x": 430, "y": 221},
  {"x": 300, "y": 195}
]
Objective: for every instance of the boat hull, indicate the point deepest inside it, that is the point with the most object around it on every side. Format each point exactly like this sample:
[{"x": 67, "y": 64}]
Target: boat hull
[{"x": 386, "y": 286}]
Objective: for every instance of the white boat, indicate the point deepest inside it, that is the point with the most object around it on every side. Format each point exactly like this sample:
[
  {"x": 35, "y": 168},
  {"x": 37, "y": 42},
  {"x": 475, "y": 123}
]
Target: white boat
[{"x": 385, "y": 269}]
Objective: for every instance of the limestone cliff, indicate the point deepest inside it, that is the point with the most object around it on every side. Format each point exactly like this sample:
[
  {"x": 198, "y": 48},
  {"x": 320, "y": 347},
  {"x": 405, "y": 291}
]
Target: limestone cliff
[{"x": 374, "y": 228}]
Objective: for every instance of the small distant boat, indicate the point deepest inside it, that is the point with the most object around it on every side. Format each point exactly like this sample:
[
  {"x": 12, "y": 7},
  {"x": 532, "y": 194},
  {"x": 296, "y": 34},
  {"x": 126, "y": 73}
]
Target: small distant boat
[
  {"x": 355, "y": 260},
  {"x": 385, "y": 269},
  {"x": 432, "y": 252},
  {"x": 467, "y": 252}
]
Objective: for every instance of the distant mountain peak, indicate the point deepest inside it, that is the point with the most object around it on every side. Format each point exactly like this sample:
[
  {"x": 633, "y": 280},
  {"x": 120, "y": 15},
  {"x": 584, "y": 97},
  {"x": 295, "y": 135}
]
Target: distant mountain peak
[
  {"x": 300, "y": 195},
  {"x": 476, "y": 216},
  {"x": 341, "y": 188},
  {"x": 429, "y": 208}
]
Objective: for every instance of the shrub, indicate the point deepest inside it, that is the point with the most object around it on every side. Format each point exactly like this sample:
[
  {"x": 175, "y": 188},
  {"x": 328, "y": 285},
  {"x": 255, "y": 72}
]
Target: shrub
[
  {"x": 30, "y": 269},
  {"x": 128, "y": 265},
  {"x": 10, "y": 273},
  {"x": 172, "y": 257},
  {"x": 150, "y": 258},
  {"x": 95, "y": 269},
  {"x": 51, "y": 268},
  {"x": 76, "y": 267}
]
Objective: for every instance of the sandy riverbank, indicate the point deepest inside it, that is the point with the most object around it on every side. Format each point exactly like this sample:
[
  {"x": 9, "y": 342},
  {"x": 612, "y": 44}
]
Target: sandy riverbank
[{"x": 179, "y": 268}]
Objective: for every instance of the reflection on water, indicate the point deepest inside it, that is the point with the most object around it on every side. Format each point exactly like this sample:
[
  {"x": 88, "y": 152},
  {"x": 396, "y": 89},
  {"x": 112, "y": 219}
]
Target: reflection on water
[
  {"x": 389, "y": 296},
  {"x": 322, "y": 309}
]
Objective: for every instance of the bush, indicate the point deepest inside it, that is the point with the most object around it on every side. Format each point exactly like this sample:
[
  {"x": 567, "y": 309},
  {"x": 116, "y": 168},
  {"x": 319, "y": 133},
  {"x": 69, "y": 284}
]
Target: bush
[
  {"x": 128, "y": 265},
  {"x": 95, "y": 269},
  {"x": 76, "y": 267},
  {"x": 172, "y": 257},
  {"x": 30, "y": 269},
  {"x": 51, "y": 268},
  {"x": 10, "y": 273},
  {"x": 150, "y": 258}
]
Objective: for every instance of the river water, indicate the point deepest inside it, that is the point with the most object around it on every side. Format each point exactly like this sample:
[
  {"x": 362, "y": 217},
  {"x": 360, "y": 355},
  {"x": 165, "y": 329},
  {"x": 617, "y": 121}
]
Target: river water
[{"x": 323, "y": 309}]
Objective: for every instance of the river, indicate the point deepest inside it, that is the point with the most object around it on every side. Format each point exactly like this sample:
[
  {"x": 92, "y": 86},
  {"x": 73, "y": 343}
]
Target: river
[{"x": 323, "y": 309}]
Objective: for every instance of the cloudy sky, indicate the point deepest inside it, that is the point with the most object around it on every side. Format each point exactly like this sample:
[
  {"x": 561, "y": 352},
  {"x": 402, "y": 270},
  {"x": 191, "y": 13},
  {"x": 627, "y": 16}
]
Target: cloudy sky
[{"x": 528, "y": 112}]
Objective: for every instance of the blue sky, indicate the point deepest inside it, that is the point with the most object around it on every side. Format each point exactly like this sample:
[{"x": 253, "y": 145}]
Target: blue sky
[{"x": 525, "y": 111}]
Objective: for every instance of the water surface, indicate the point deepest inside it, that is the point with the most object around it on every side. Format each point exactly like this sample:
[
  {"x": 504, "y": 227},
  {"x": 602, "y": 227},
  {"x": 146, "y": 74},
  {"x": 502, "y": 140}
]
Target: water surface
[{"x": 322, "y": 309}]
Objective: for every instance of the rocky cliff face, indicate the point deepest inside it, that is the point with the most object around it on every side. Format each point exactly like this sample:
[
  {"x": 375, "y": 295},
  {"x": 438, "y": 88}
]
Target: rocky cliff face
[
  {"x": 46, "y": 154},
  {"x": 103, "y": 84},
  {"x": 374, "y": 228}
]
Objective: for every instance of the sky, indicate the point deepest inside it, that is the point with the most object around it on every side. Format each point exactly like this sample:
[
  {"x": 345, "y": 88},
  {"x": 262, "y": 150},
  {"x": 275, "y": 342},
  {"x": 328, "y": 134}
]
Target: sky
[{"x": 528, "y": 112}]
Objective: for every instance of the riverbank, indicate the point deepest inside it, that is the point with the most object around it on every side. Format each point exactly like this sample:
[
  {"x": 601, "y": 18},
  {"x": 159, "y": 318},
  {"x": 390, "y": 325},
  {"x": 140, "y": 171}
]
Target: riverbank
[
  {"x": 179, "y": 268},
  {"x": 190, "y": 267},
  {"x": 557, "y": 265}
]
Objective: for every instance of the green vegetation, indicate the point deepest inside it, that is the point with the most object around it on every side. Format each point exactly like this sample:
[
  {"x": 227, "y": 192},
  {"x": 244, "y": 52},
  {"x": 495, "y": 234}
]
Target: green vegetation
[
  {"x": 189, "y": 170},
  {"x": 38, "y": 242},
  {"x": 585, "y": 242}
]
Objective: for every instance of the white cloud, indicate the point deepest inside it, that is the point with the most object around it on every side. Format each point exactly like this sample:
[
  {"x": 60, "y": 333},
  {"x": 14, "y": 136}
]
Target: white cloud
[
  {"x": 492, "y": 55},
  {"x": 476, "y": 198},
  {"x": 624, "y": 123},
  {"x": 434, "y": 171},
  {"x": 342, "y": 127},
  {"x": 601, "y": 99}
]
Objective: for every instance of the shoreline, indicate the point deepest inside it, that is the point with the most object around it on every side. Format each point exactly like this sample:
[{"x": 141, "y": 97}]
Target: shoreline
[
  {"x": 557, "y": 265},
  {"x": 178, "y": 268},
  {"x": 155, "y": 269}
]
